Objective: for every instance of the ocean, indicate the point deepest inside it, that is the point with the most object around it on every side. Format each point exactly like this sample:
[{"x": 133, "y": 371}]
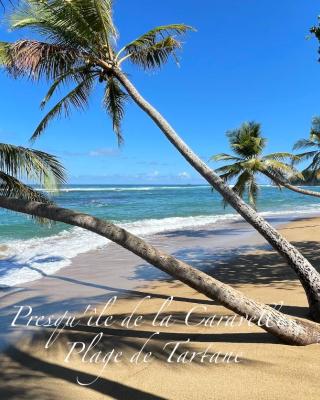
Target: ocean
[{"x": 27, "y": 248}]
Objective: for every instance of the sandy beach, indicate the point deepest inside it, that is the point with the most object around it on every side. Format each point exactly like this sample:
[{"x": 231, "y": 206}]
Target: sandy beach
[{"x": 258, "y": 367}]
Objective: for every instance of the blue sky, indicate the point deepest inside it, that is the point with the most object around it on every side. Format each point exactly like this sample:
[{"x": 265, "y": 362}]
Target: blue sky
[{"x": 248, "y": 60}]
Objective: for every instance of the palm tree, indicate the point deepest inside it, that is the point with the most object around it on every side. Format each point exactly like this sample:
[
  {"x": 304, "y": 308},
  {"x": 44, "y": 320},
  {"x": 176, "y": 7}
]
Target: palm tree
[
  {"x": 312, "y": 171},
  {"x": 79, "y": 48},
  {"x": 289, "y": 330},
  {"x": 248, "y": 162},
  {"x": 17, "y": 163}
]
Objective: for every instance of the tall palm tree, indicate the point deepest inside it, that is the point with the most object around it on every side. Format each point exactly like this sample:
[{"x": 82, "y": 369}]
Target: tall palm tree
[
  {"x": 248, "y": 161},
  {"x": 17, "y": 163},
  {"x": 79, "y": 47},
  {"x": 312, "y": 171}
]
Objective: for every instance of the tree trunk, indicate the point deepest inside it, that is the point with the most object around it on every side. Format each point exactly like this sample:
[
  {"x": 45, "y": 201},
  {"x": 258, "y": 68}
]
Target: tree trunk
[
  {"x": 307, "y": 274},
  {"x": 287, "y": 185},
  {"x": 292, "y": 331}
]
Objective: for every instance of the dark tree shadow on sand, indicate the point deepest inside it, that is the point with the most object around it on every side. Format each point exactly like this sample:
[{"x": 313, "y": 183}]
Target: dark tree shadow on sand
[
  {"x": 263, "y": 268},
  {"x": 22, "y": 373},
  {"x": 26, "y": 367}
]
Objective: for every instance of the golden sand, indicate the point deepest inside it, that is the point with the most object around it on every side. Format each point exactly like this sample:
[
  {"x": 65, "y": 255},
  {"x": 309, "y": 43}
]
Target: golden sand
[{"x": 267, "y": 369}]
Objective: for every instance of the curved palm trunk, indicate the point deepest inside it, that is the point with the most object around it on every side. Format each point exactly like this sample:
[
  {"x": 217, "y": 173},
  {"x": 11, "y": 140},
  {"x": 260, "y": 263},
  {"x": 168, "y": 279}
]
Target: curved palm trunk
[
  {"x": 290, "y": 330},
  {"x": 307, "y": 274},
  {"x": 291, "y": 187}
]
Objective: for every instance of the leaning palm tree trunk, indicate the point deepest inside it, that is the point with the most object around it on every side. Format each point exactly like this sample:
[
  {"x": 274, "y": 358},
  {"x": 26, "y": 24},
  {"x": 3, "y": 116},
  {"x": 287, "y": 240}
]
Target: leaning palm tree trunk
[
  {"x": 292, "y": 331},
  {"x": 287, "y": 185},
  {"x": 307, "y": 274}
]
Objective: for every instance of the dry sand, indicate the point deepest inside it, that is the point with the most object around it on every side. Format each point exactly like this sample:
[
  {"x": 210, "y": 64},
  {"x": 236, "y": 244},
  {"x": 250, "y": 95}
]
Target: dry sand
[{"x": 267, "y": 369}]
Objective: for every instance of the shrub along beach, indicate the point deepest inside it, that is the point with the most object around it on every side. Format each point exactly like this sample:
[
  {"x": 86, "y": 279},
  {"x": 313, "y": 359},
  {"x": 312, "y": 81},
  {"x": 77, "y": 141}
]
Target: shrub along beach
[{"x": 146, "y": 290}]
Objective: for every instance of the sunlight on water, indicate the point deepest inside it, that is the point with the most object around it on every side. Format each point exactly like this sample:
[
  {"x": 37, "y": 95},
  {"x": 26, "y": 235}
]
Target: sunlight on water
[{"x": 28, "y": 250}]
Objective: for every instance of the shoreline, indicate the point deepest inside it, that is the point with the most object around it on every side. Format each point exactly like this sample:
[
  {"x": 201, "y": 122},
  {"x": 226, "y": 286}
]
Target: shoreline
[
  {"x": 29, "y": 260},
  {"x": 235, "y": 254}
]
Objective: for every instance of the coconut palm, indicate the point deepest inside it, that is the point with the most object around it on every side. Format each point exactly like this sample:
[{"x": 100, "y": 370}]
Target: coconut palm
[
  {"x": 78, "y": 47},
  {"x": 248, "y": 162},
  {"x": 312, "y": 171},
  {"x": 17, "y": 163}
]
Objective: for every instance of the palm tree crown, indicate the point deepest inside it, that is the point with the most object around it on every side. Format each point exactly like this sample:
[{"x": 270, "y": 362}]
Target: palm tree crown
[
  {"x": 79, "y": 48},
  {"x": 312, "y": 172},
  {"x": 248, "y": 161},
  {"x": 18, "y": 163}
]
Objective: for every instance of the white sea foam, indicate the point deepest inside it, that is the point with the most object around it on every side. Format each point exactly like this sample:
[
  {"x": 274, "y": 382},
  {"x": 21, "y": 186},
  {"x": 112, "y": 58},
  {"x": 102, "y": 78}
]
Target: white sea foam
[
  {"x": 124, "y": 189},
  {"x": 28, "y": 260}
]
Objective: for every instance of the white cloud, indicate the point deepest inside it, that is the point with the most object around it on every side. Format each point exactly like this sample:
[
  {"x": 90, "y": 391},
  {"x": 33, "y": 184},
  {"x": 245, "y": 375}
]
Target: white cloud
[
  {"x": 103, "y": 152},
  {"x": 153, "y": 174},
  {"x": 184, "y": 175}
]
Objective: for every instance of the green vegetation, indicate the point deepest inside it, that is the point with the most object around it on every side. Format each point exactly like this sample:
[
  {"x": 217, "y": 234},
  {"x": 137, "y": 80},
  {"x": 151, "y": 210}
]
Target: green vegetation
[{"x": 248, "y": 161}]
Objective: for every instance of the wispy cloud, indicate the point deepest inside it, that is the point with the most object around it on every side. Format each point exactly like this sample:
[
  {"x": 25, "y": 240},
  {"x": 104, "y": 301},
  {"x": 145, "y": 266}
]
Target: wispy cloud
[
  {"x": 184, "y": 175},
  {"x": 153, "y": 163},
  {"x": 153, "y": 174},
  {"x": 104, "y": 152}
]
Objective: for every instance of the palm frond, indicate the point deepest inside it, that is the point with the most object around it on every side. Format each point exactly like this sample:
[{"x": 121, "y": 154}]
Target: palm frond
[
  {"x": 247, "y": 140},
  {"x": 307, "y": 155},
  {"x": 253, "y": 191},
  {"x": 314, "y": 166},
  {"x": 12, "y": 187},
  {"x": 4, "y": 60},
  {"x": 114, "y": 100},
  {"x": 76, "y": 75},
  {"x": 282, "y": 156},
  {"x": 77, "y": 98},
  {"x": 289, "y": 171},
  {"x": 229, "y": 167},
  {"x": 315, "y": 129},
  {"x": 22, "y": 162},
  {"x": 241, "y": 183},
  {"x": 37, "y": 60},
  {"x": 153, "y": 49},
  {"x": 304, "y": 143},
  {"x": 103, "y": 10},
  {"x": 224, "y": 157},
  {"x": 227, "y": 173},
  {"x": 82, "y": 24},
  {"x": 253, "y": 164}
]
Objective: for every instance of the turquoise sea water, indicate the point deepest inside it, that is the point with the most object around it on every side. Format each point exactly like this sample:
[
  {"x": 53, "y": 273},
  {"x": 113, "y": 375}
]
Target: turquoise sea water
[{"x": 27, "y": 246}]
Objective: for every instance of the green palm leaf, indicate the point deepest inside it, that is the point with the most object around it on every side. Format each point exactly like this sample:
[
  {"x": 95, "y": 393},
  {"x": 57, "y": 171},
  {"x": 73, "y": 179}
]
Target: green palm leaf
[
  {"x": 307, "y": 155},
  {"x": 282, "y": 156},
  {"x": 253, "y": 190},
  {"x": 78, "y": 45},
  {"x": 114, "y": 100},
  {"x": 22, "y": 162},
  {"x": 12, "y": 187},
  {"x": 18, "y": 163},
  {"x": 248, "y": 144},
  {"x": 77, "y": 98},
  {"x": 37, "y": 60},
  {"x": 76, "y": 75},
  {"x": 312, "y": 171},
  {"x": 153, "y": 49},
  {"x": 242, "y": 182},
  {"x": 224, "y": 157},
  {"x": 304, "y": 143},
  {"x": 247, "y": 141},
  {"x": 287, "y": 171},
  {"x": 82, "y": 24}
]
